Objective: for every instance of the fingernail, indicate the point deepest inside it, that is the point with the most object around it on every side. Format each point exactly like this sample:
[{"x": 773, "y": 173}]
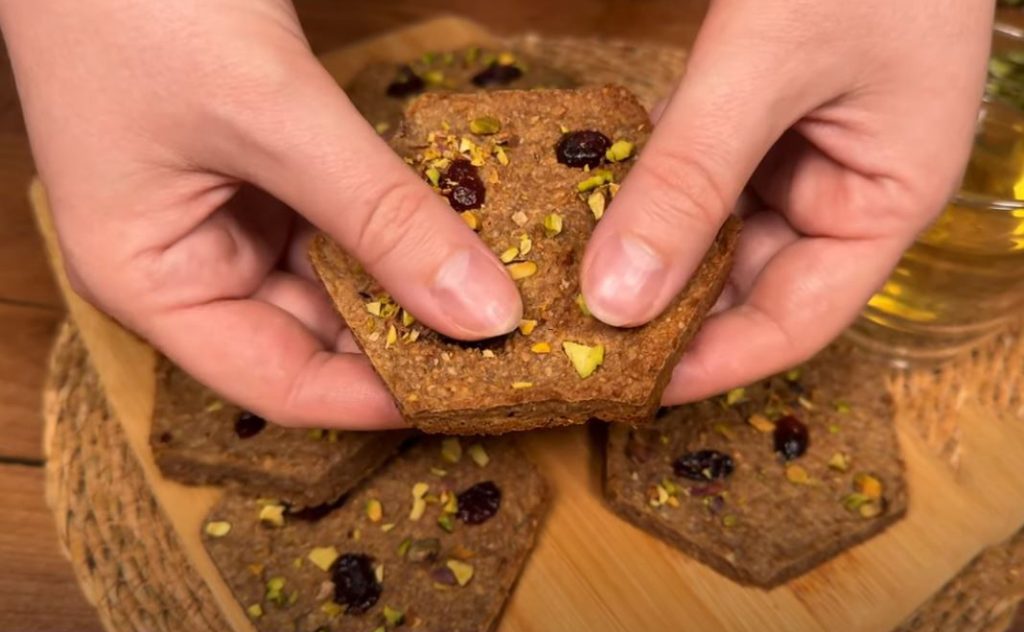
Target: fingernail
[
  {"x": 476, "y": 296},
  {"x": 625, "y": 279}
]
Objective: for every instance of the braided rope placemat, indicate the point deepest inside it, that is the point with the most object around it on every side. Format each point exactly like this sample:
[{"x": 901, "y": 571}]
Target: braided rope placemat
[{"x": 125, "y": 553}]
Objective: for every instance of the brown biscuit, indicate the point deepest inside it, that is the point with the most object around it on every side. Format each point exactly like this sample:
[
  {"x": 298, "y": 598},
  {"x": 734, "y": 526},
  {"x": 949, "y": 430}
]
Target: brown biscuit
[
  {"x": 199, "y": 439},
  {"x": 524, "y": 380},
  {"x": 981, "y": 598},
  {"x": 445, "y": 562},
  {"x": 754, "y": 516},
  {"x": 382, "y": 90}
]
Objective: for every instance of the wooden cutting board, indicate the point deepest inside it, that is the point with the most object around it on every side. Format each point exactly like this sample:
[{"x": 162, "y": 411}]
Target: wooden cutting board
[{"x": 592, "y": 571}]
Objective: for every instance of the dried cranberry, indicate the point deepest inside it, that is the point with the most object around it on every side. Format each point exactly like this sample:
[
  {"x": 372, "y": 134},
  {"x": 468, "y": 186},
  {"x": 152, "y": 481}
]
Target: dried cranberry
[
  {"x": 249, "y": 425},
  {"x": 405, "y": 84},
  {"x": 704, "y": 465},
  {"x": 479, "y": 503},
  {"x": 791, "y": 437},
  {"x": 355, "y": 582},
  {"x": 497, "y": 75},
  {"x": 465, "y": 188},
  {"x": 584, "y": 148}
]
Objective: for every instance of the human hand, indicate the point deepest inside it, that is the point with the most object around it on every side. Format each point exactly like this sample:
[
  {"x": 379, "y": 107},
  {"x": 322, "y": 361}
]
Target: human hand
[
  {"x": 852, "y": 123},
  {"x": 157, "y": 127}
]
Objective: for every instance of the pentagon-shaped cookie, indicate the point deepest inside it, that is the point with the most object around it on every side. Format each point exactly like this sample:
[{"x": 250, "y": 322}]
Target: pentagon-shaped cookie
[
  {"x": 765, "y": 483},
  {"x": 533, "y": 172},
  {"x": 199, "y": 439},
  {"x": 435, "y": 540}
]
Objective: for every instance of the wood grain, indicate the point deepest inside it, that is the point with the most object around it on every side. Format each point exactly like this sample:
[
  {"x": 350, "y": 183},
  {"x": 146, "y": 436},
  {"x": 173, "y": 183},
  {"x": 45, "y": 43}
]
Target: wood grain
[
  {"x": 24, "y": 346},
  {"x": 38, "y": 592}
]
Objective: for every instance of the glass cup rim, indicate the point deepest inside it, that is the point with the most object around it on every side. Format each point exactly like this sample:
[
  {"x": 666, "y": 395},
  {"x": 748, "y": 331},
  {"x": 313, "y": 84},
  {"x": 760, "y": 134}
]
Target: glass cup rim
[{"x": 979, "y": 201}]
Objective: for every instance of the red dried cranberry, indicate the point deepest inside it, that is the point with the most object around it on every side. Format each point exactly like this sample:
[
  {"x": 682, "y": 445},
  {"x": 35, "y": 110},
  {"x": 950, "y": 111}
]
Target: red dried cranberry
[
  {"x": 405, "y": 84},
  {"x": 584, "y": 148},
  {"x": 465, "y": 188},
  {"x": 249, "y": 425},
  {"x": 478, "y": 503},
  {"x": 355, "y": 582},
  {"x": 497, "y": 75},
  {"x": 790, "y": 437},
  {"x": 704, "y": 465}
]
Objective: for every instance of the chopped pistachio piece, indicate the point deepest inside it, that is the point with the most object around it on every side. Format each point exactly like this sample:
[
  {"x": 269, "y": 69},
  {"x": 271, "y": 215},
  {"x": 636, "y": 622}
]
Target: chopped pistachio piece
[
  {"x": 391, "y": 338},
  {"x": 472, "y": 219},
  {"x": 322, "y": 557},
  {"x": 526, "y": 327},
  {"x": 374, "y": 307},
  {"x": 436, "y": 471},
  {"x": 541, "y": 348},
  {"x": 419, "y": 506},
  {"x": 797, "y": 474},
  {"x": 403, "y": 547},
  {"x": 407, "y": 318},
  {"x": 255, "y": 611},
  {"x": 446, "y": 521},
  {"x": 374, "y": 510},
  {"x": 387, "y": 527},
  {"x": 382, "y": 127},
  {"x": 619, "y": 151},
  {"x": 854, "y": 501},
  {"x": 509, "y": 255},
  {"x": 868, "y": 485},
  {"x": 424, "y": 550},
  {"x": 793, "y": 375},
  {"x": 434, "y": 77},
  {"x": 478, "y": 454},
  {"x": 272, "y": 515},
  {"x": 433, "y": 175},
  {"x": 485, "y": 125},
  {"x": 584, "y": 358},
  {"x": 521, "y": 270},
  {"x": 839, "y": 462},
  {"x": 729, "y": 520},
  {"x": 507, "y": 59},
  {"x": 392, "y": 616},
  {"x": 552, "y": 224},
  {"x": 451, "y": 449},
  {"x": 275, "y": 590},
  {"x": 869, "y": 510},
  {"x": 463, "y": 571},
  {"x": 501, "y": 155},
  {"x": 735, "y": 396},
  {"x": 598, "y": 178},
  {"x": 217, "y": 529},
  {"x": 761, "y": 423},
  {"x": 214, "y": 406},
  {"x": 332, "y": 609},
  {"x": 525, "y": 245},
  {"x": 315, "y": 434},
  {"x": 518, "y": 386},
  {"x": 842, "y": 406},
  {"x": 582, "y": 304},
  {"x": 419, "y": 490},
  {"x": 597, "y": 202}
]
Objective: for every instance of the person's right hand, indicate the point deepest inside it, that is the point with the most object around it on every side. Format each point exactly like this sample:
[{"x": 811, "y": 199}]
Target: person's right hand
[{"x": 157, "y": 127}]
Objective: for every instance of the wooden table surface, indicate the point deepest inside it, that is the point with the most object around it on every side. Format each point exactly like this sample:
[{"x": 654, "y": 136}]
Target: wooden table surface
[{"x": 37, "y": 588}]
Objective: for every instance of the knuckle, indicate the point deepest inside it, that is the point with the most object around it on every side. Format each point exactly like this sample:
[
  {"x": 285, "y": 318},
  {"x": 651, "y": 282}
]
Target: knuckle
[
  {"x": 683, "y": 190},
  {"x": 389, "y": 228}
]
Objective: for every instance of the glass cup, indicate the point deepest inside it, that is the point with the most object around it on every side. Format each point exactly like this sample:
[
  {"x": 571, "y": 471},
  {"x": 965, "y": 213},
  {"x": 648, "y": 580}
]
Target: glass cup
[{"x": 962, "y": 281}]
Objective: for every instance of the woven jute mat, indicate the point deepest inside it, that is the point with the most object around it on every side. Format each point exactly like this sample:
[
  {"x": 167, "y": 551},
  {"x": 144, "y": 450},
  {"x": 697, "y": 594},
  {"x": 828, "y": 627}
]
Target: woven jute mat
[{"x": 130, "y": 565}]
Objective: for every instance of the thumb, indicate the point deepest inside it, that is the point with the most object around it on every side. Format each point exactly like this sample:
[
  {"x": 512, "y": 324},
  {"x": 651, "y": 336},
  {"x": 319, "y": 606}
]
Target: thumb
[
  {"x": 708, "y": 140},
  {"x": 325, "y": 161}
]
